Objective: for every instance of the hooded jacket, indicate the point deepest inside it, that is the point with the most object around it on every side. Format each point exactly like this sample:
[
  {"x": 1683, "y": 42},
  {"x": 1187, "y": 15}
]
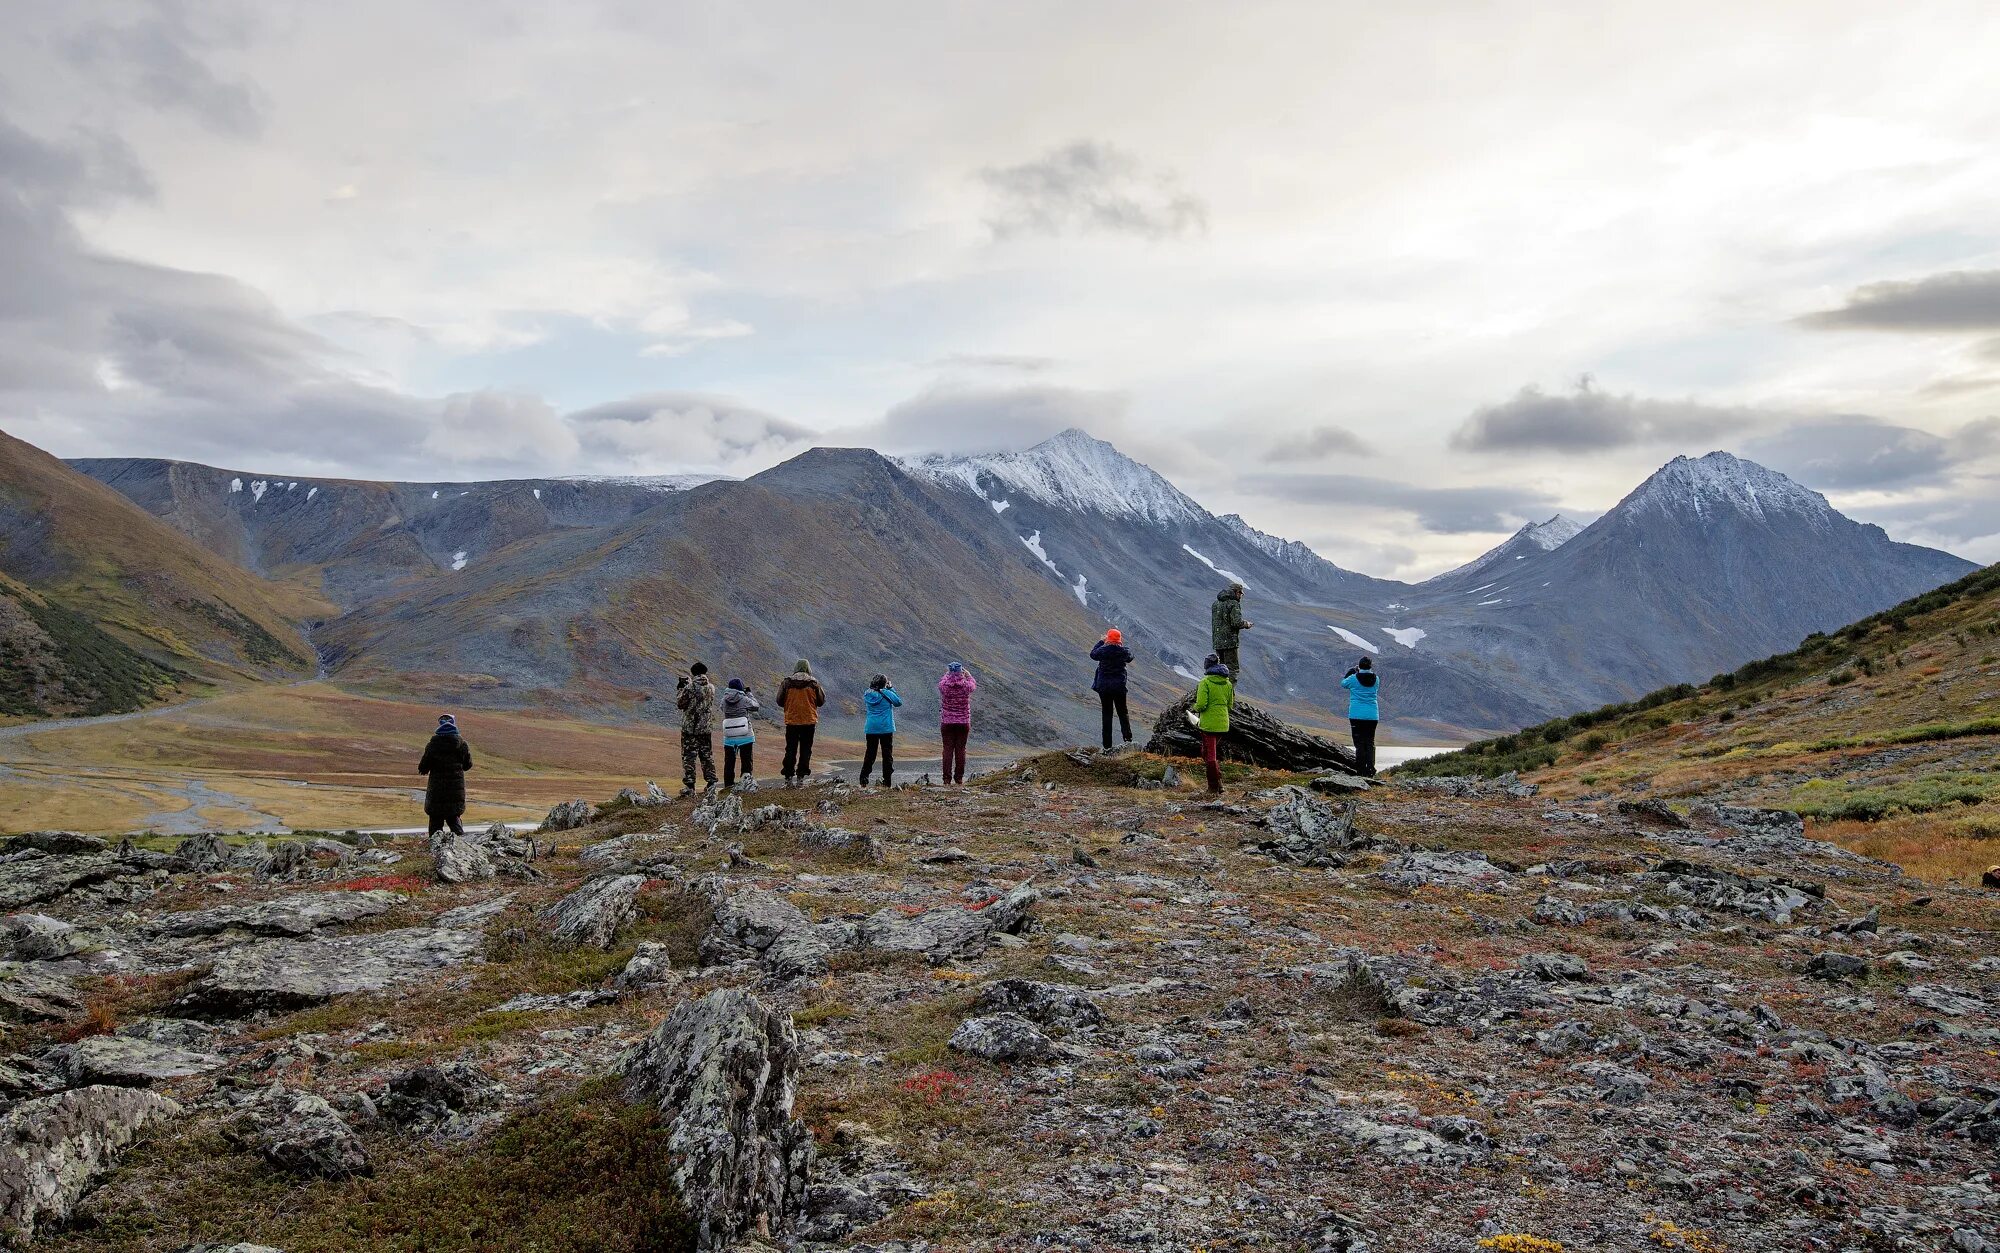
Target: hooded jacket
[
  {"x": 696, "y": 702},
  {"x": 1225, "y": 620},
  {"x": 737, "y": 706},
  {"x": 1364, "y": 689},
  {"x": 1213, "y": 697},
  {"x": 955, "y": 691},
  {"x": 1111, "y": 661},
  {"x": 801, "y": 696},
  {"x": 444, "y": 763},
  {"x": 881, "y": 704}
]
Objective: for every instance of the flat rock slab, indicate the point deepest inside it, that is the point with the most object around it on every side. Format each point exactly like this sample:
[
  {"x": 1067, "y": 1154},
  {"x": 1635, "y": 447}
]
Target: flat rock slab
[
  {"x": 295, "y": 915},
  {"x": 126, "y": 1062},
  {"x": 54, "y": 1147},
  {"x": 35, "y": 878},
  {"x": 33, "y": 995},
  {"x": 292, "y": 974}
]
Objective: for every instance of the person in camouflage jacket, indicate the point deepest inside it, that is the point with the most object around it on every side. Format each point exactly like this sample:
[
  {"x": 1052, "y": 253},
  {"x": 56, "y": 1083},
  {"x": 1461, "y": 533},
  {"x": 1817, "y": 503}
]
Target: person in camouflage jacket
[{"x": 696, "y": 701}]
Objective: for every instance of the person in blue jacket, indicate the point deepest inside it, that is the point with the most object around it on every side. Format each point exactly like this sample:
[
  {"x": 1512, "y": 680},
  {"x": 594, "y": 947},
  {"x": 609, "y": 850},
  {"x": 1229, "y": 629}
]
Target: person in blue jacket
[
  {"x": 881, "y": 703},
  {"x": 1112, "y": 657},
  {"x": 1363, "y": 712}
]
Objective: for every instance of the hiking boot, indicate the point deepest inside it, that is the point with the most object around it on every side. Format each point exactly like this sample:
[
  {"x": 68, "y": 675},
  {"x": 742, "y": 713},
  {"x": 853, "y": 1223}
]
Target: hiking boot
[{"x": 685, "y": 792}]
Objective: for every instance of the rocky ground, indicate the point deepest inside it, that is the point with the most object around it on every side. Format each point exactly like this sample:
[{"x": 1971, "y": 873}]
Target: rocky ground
[{"x": 1056, "y": 1009}]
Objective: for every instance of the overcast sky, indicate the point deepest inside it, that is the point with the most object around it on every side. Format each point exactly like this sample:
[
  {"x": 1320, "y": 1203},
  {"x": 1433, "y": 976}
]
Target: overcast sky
[{"x": 1388, "y": 279}]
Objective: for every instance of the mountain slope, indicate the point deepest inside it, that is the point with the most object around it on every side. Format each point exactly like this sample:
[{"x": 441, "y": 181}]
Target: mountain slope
[
  {"x": 837, "y": 555},
  {"x": 95, "y": 554},
  {"x": 56, "y": 662}
]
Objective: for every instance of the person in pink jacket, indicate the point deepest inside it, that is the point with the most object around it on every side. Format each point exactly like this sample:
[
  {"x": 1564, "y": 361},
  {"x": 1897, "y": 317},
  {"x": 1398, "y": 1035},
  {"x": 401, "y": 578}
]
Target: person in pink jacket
[{"x": 955, "y": 691}]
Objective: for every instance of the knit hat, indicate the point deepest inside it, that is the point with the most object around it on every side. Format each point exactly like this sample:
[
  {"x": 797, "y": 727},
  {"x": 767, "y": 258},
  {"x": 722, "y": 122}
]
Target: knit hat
[
  {"x": 1114, "y": 636},
  {"x": 955, "y": 667},
  {"x": 879, "y": 682},
  {"x": 698, "y": 668},
  {"x": 737, "y": 684},
  {"x": 802, "y": 667},
  {"x": 1213, "y": 659},
  {"x": 446, "y": 720}
]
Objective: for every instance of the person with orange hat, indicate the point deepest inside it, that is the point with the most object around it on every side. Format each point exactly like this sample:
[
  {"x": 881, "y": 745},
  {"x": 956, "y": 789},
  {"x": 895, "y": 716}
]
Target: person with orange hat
[{"x": 1112, "y": 657}]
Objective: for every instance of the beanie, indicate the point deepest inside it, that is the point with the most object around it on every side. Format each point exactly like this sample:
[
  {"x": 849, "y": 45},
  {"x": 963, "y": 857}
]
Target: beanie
[
  {"x": 736, "y": 684},
  {"x": 1114, "y": 636}
]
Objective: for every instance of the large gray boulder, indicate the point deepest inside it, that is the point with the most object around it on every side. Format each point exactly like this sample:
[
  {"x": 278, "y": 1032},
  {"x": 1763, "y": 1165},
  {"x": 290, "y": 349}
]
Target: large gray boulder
[
  {"x": 205, "y": 853},
  {"x": 292, "y": 974},
  {"x": 1003, "y": 1038},
  {"x": 458, "y": 860},
  {"x": 751, "y": 923},
  {"x": 591, "y": 916},
  {"x": 130, "y": 1062},
  {"x": 300, "y": 1134},
  {"x": 568, "y": 816},
  {"x": 1307, "y": 831},
  {"x": 723, "y": 1071},
  {"x": 300, "y": 913},
  {"x": 53, "y": 1148},
  {"x": 942, "y": 934},
  {"x": 38, "y": 937},
  {"x": 1254, "y": 737},
  {"x": 1048, "y": 1004}
]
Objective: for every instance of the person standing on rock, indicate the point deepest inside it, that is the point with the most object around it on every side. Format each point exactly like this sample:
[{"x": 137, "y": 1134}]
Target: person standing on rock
[
  {"x": 1112, "y": 657},
  {"x": 1213, "y": 697},
  {"x": 881, "y": 703},
  {"x": 1226, "y": 626},
  {"x": 444, "y": 763},
  {"x": 1363, "y": 712},
  {"x": 955, "y": 691},
  {"x": 801, "y": 697},
  {"x": 738, "y": 736},
  {"x": 696, "y": 701}
]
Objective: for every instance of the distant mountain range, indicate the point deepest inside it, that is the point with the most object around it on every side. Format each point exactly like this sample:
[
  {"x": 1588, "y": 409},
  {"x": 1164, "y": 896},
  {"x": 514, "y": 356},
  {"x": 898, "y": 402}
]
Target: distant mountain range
[{"x": 593, "y": 593}]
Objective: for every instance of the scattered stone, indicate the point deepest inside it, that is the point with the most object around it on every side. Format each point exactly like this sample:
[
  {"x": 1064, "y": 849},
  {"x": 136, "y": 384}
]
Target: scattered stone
[
  {"x": 52, "y": 1148},
  {"x": 942, "y": 934},
  {"x": 1655, "y": 813},
  {"x": 568, "y": 816},
  {"x": 1048, "y": 1004},
  {"x": 1832, "y": 966},
  {"x": 300, "y": 1134},
  {"x": 458, "y": 860},
  {"x": 591, "y": 916},
  {"x": 724, "y": 1071},
  {"x": 650, "y": 967},
  {"x": 1003, "y": 1038}
]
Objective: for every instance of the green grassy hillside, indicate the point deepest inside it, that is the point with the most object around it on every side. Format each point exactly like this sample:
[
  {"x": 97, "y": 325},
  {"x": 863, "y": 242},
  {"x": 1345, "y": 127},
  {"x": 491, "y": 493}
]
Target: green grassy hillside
[
  {"x": 116, "y": 569},
  {"x": 55, "y": 661}
]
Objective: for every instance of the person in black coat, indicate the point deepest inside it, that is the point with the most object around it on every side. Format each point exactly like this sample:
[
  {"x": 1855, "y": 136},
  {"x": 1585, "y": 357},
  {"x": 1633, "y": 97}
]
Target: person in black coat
[
  {"x": 445, "y": 761},
  {"x": 1112, "y": 657}
]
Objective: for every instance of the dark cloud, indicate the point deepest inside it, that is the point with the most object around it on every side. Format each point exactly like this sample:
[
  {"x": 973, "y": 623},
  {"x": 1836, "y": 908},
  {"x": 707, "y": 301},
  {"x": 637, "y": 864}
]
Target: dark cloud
[
  {"x": 1318, "y": 443},
  {"x": 968, "y": 420},
  {"x": 1962, "y": 300},
  {"x": 1972, "y": 513},
  {"x": 1854, "y": 452},
  {"x": 1090, "y": 188},
  {"x": 1587, "y": 420},
  {"x": 1443, "y": 510},
  {"x": 157, "y": 59}
]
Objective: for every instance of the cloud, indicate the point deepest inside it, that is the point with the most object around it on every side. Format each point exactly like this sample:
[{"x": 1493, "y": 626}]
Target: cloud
[
  {"x": 1443, "y": 510},
  {"x": 156, "y": 59},
  {"x": 683, "y": 429},
  {"x": 1090, "y": 188},
  {"x": 996, "y": 362},
  {"x": 1588, "y": 420},
  {"x": 1318, "y": 443},
  {"x": 966, "y": 420},
  {"x": 504, "y": 428},
  {"x": 1854, "y": 452},
  {"x": 1958, "y": 301}
]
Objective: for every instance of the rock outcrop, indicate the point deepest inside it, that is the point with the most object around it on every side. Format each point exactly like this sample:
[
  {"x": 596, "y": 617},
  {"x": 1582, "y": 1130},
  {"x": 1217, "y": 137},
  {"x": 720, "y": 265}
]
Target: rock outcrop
[
  {"x": 1254, "y": 737},
  {"x": 591, "y": 916},
  {"x": 723, "y": 1071},
  {"x": 296, "y": 915},
  {"x": 458, "y": 860},
  {"x": 53, "y": 1148},
  {"x": 292, "y": 974},
  {"x": 568, "y": 816},
  {"x": 300, "y": 1134}
]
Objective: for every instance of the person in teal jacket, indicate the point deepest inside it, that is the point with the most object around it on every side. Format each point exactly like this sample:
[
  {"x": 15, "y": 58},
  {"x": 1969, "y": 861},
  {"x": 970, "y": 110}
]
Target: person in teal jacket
[
  {"x": 881, "y": 703},
  {"x": 1363, "y": 712},
  {"x": 1213, "y": 697}
]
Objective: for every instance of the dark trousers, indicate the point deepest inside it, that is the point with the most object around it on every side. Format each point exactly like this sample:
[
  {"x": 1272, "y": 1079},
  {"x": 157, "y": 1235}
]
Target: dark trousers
[
  {"x": 697, "y": 748},
  {"x": 955, "y": 738},
  {"x": 1108, "y": 701},
  {"x": 1211, "y": 759},
  {"x": 439, "y": 822},
  {"x": 1228, "y": 658},
  {"x": 731, "y": 753},
  {"x": 1364, "y": 743},
  {"x": 883, "y": 742},
  {"x": 799, "y": 751}
]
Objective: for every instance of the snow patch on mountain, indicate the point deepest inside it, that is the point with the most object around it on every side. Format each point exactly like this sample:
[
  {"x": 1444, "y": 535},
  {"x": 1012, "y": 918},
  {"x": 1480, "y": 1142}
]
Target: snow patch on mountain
[
  {"x": 1406, "y": 636},
  {"x": 236, "y": 485},
  {"x": 1000, "y": 506},
  {"x": 1082, "y": 589},
  {"x": 458, "y": 560},
  {"x": 1354, "y": 639},
  {"x": 1231, "y": 575},
  {"x": 1072, "y": 471},
  {"x": 1034, "y": 543},
  {"x": 652, "y": 482},
  {"x": 311, "y": 492}
]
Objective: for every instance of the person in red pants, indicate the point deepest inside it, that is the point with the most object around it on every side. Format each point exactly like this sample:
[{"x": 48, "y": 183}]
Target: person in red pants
[
  {"x": 955, "y": 691},
  {"x": 1213, "y": 698}
]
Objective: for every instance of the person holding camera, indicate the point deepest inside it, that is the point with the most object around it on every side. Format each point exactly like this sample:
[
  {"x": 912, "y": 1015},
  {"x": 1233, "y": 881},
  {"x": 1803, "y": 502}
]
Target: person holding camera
[
  {"x": 1363, "y": 712},
  {"x": 881, "y": 703},
  {"x": 695, "y": 698},
  {"x": 1112, "y": 657}
]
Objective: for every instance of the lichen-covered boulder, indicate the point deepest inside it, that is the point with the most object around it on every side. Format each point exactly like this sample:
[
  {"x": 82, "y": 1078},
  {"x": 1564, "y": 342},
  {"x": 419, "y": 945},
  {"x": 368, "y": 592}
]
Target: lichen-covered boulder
[
  {"x": 53, "y": 1148},
  {"x": 568, "y": 816},
  {"x": 591, "y": 916}
]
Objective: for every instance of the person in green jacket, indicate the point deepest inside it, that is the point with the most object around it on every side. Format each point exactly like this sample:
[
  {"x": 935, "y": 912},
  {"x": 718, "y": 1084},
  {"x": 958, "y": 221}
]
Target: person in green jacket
[
  {"x": 1213, "y": 697},
  {"x": 1226, "y": 626}
]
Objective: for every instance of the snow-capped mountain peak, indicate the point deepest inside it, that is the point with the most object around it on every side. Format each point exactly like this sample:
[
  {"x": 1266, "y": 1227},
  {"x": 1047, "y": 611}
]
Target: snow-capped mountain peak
[
  {"x": 1533, "y": 539},
  {"x": 1551, "y": 535},
  {"x": 1721, "y": 483},
  {"x": 1072, "y": 470}
]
